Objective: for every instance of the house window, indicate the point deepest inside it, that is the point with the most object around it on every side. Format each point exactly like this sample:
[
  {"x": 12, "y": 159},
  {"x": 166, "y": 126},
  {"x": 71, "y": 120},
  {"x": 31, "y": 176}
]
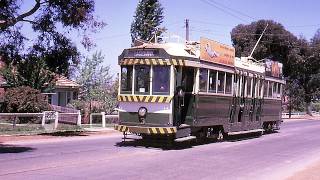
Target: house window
[
  {"x": 50, "y": 98},
  {"x": 68, "y": 97}
]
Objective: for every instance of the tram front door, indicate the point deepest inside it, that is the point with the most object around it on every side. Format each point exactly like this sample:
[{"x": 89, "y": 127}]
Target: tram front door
[{"x": 184, "y": 98}]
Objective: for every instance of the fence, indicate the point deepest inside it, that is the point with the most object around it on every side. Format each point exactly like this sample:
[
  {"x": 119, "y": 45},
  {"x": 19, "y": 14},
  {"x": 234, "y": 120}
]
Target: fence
[
  {"x": 47, "y": 118},
  {"x": 105, "y": 119}
]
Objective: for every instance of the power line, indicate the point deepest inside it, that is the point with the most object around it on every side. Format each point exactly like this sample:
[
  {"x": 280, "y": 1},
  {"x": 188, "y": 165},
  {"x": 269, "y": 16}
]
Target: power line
[
  {"x": 234, "y": 10},
  {"x": 223, "y": 10}
]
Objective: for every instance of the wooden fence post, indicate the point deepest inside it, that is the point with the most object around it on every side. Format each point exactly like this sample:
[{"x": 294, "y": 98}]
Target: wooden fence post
[
  {"x": 56, "y": 120},
  {"x": 103, "y": 118},
  {"x": 79, "y": 118},
  {"x": 43, "y": 122}
]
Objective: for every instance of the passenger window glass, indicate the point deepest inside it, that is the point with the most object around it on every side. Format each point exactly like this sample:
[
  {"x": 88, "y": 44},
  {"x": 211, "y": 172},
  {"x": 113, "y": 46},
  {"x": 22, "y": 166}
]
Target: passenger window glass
[
  {"x": 243, "y": 82},
  {"x": 265, "y": 88},
  {"x": 228, "y": 83},
  {"x": 126, "y": 79},
  {"x": 270, "y": 89},
  {"x": 254, "y": 86},
  {"x": 220, "y": 82},
  {"x": 275, "y": 91},
  {"x": 161, "y": 80},
  {"x": 249, "y": 86},
  {"x": 142, "y": 81},
  {"x": 212, "y": 80},
  {"x": 203, "y": 80},
  {"x": 279, "y": 91},
  {"x": 260, "y": 88}
]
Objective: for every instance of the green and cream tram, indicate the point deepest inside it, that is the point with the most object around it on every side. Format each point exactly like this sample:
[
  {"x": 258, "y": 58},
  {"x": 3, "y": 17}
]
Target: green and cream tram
[{"x": 196, "y": 90}]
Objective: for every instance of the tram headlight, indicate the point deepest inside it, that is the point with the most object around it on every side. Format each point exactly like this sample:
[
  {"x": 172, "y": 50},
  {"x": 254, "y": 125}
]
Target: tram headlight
[{"x": 142, "y": 112}]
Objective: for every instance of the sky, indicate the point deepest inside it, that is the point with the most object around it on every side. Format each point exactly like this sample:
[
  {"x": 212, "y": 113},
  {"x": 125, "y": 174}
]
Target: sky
[{"x": 213, "y": 19}]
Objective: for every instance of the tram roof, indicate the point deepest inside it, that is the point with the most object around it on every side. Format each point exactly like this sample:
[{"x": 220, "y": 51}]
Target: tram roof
[{"x": 173, "y": 49}]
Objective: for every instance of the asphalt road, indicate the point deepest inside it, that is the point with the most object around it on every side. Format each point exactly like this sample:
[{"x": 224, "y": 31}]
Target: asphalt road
[{"x": 271, "y": 156}]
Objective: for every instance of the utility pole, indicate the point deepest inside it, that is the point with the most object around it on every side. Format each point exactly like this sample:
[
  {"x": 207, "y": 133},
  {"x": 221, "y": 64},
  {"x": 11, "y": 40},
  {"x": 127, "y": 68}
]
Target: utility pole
[{"x": 187, "y": 29}]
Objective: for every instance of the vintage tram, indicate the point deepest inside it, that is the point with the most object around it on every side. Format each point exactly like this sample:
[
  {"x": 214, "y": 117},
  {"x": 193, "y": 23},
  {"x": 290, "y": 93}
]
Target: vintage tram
[{"x": 196, "y": 89}]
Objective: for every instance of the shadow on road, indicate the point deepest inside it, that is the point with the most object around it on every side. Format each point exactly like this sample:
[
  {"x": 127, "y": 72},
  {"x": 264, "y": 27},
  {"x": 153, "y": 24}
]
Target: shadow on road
[
  {"x": 66, "y": 133},
  {"x": 169, "y": 145},
  {"x": 164, "y": 145},
  {"x": 4, "y": 148}
]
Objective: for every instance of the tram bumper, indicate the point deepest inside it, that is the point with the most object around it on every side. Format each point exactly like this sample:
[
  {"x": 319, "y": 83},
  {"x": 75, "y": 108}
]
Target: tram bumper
[{"x": 146, "y": 130}]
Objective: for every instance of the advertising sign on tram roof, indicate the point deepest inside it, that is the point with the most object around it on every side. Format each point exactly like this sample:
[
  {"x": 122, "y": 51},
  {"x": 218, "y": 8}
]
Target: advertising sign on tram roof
[{"x": 216, "y": 52}]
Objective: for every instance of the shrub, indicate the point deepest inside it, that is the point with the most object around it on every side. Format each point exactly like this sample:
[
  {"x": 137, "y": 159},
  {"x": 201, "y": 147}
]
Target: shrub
[{"x": 25, "y": 99}]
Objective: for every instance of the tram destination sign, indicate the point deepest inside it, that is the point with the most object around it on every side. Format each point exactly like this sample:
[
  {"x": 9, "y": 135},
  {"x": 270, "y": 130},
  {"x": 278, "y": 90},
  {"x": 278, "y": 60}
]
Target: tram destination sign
[
  {"x": 143, "y": 53},
  {"x": 216, "y": 52}
]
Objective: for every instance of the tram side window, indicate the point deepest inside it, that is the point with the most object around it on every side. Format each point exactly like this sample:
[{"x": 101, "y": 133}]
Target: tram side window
[
  {"x": 265, "y": 88},
  {"x": 254, "y": 86},
  {"x": 212, "y": 81},
  {"x": 203, "y": 80},
  {"x": 249, "y": 86},
  {"x": 161, "y": 80},
  {"x": 142, "y": 79},
  {"x": 221, "y": 82},
  {"x": 275, "y": 94},
  {"x": 260, "y": 88},
  {"x": 126, "y": 79},
  {"x": 279, "y": 90},
  {"x": 228, "y": 83},
  {"x": 270, "y": 90}
]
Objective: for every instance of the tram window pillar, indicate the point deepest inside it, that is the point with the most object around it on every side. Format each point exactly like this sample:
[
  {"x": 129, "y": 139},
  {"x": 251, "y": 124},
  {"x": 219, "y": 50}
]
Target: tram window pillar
[
  {"x": 133, "y": 79},
  {"x": 151, "y": 79}
]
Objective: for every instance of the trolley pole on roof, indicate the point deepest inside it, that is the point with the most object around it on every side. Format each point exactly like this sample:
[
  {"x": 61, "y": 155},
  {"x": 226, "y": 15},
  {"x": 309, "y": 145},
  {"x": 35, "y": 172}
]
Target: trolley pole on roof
[
  {"x": 255, "y": 46},
  {"x": 187, "y": 29}
]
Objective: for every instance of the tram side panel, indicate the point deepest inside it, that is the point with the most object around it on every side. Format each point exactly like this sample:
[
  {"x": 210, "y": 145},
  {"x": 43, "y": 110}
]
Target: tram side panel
[
  {"x": 213, "y": 110},
  {"x": 271, "y": 111}
]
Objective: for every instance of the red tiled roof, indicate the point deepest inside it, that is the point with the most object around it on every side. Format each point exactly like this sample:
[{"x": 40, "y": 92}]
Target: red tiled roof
[{"x": 63, "y": 82}]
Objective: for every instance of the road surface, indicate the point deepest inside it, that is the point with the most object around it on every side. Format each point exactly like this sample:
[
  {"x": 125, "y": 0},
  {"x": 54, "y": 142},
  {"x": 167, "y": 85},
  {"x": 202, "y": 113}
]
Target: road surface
[{"x": 272, "y": 156}]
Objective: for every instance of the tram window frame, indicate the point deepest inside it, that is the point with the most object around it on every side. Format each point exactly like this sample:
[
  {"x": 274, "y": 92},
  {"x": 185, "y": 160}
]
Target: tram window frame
[
  {"x": 274, "y": 90},
  {"x": 204, "y": 81},
  {"x": 160, "y": 81},
  {"x": 221, "y": 82},
  {"x": 279, "y": 90},
  {"x": 228, "y": 83},
  {"x": 128, "y": 81},
  {"x": 146, "y": 81},
  {"x": 213, "y": 81}
]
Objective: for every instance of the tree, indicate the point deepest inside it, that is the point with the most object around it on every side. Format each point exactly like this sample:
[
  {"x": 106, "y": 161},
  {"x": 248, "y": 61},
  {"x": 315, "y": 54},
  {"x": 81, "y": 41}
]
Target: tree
[
  {"x": 97, "y": 92},
  {"x": 147, "y": 20},
  {"x": 24, "y": 99},
  {"x": 275, "y": 44},
  {"x": 31, "y": 72},
  {"x": 299, "y": 56},
  {"x": 51, "y": 43}
]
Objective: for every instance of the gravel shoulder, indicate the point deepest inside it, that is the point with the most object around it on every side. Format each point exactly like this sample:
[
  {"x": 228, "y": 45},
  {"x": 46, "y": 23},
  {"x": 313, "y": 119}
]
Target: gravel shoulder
[{"x": 310, "y": 172}]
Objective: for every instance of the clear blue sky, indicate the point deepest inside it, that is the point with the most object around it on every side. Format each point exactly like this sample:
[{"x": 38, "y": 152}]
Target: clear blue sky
[{"x": 213, "y": 19}]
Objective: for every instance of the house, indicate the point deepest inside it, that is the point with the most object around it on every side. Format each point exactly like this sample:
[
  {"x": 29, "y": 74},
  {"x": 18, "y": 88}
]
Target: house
[{"x": 64, "y": 91}]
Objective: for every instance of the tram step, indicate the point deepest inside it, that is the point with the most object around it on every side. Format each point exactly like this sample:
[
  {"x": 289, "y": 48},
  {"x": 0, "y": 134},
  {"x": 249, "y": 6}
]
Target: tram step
[
  {"x": 245, "y": 132},
  {"x": 188, "y": 138}
]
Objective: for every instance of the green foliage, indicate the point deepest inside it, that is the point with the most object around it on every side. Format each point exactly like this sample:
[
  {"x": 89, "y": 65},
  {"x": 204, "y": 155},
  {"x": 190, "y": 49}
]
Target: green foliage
[
  {"x": 98, "y": 91},
  {"x": 147, "y": 20},
  {"x": 51, "y": 43},
  {"x": 299, "y": 56},
  {"x": 275, "y": 44},
  {"x": 32, "y": 72},
  {"x": 24, "y": 99}
]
